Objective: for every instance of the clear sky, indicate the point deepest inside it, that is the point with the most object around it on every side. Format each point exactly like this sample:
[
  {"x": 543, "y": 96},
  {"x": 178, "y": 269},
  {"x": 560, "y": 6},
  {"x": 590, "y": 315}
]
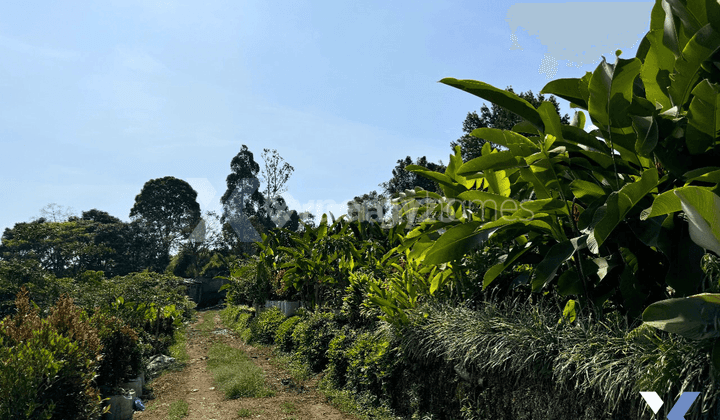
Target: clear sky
[{"x": 97, "y": 98}]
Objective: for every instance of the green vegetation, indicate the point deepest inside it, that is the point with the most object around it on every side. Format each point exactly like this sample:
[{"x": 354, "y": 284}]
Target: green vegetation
[
  {"x": 178, "y": 349},
  {"x": 288, "y": 407},
  {"x": 208, "y": 323},
  {"x": 178, "y": 410},
  {"x": 245, "y": 412},
  {"x": 545, "y": 272},
  {"x": 234, "y": 373}
]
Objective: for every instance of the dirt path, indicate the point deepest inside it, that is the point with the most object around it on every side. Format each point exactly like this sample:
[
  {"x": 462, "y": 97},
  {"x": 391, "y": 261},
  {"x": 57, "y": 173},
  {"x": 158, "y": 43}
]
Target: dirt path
[{"x": 194, "y": 385}]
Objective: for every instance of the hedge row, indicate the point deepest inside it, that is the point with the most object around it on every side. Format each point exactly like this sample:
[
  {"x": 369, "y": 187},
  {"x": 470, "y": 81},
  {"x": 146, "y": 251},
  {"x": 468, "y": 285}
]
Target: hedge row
[{"x": 514, "y": 362}]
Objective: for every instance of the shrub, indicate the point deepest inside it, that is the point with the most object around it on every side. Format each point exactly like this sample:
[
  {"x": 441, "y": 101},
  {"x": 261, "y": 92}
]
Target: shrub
[
  {"x": 311, "y": 339},
  {"x": 369, "y": 364},
  {"x": 121, "y": 353},
  {"x": 264, "y": 326},
  {"x": 337, "y": 357},
  {"x": 47, "y": 366},
  {"x": 237, "y": 314},
  {"x": 283, "y": 335}
]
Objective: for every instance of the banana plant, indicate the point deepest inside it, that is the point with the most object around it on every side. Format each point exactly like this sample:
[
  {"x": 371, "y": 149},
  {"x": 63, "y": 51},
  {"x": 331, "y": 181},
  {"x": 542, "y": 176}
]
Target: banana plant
[{"x": 588, "y": 210}]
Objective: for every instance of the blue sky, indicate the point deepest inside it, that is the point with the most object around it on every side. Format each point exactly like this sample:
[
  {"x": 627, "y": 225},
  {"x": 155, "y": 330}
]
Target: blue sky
[{"x": 97, "y": 98}]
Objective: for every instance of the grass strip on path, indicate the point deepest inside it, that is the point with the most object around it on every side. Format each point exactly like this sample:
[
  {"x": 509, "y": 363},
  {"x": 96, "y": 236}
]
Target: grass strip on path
[
  {"x": 235, "y": 374},
  {"x": 178, "y": 410}
]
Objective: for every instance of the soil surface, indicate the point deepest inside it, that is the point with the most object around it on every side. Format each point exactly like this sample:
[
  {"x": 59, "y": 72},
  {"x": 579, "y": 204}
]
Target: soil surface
[{"x": 194, "y": 385}]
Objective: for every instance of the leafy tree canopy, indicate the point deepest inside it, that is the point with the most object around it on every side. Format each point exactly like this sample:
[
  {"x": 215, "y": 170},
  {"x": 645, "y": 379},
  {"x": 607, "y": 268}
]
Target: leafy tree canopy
[
  {"x": 168, "y": 206},
  {"x": 404, "y": 180}
]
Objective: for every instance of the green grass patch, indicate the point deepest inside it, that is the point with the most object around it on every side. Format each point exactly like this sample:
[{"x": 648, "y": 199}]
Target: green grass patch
[
  {"x": 235, "y": 374},
  {"x": 178, "y": 349},
  {"x": 288, "y": 407},
  {"x": 208, "y": 322},
  {"x": 245, "y": 412},
  {"x": 178, "y": 410},
  {"x": 362, "y": 405}
]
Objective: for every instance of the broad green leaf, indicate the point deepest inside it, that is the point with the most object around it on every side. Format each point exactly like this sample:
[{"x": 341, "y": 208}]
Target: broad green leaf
[
  {"x": 712, "y": 10},
  {"x": 530, "y": 175},
  {"x": 497, "y": 269},
  {"x": 584, "y": 138},
  {"x": 703, "y": 210},
  {"x": 670, "y": 32},
  {"x": 655, "y": 71},
  {"x": 499, "y": 183},
  {"x": 456, "y": 242},
  {"x": 663, "y": 204},
  {"x": 505, "y": 205},
  {"x": 451, "y": 170},
  {"x": 555, "y": 257},
  {"x": 695, "y": 317},
  {"x": 647, "y": 134},
  {"x": 525, "y": 127},
  {"x": 708, "y": 174},
  {"x": 570, "y": 283},
  {"x": 621, "y": 202},
  {"x": 611, "y": 90},
  {"x": 583, "y": 189},
  {"x": 551, "y": 120},
  {"x": 687, "y": 68},
  {"x": 668, "y": 202},
  {"x": 569, "y": 89},
  {"x": 544, "y": 205},
  {"x": 569, "y": 312},
  {"x": 517, "y": 143},
  {"x": 503, "y": 98},
  {"x": 578, "y": 120},
  {"x": 500, "y": 160},
  {"x": 440, "y": 178},
  {"x": 703, "y": 117}
]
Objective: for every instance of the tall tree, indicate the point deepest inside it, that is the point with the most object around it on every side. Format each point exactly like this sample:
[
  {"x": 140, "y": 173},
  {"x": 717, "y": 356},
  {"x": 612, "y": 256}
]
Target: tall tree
[
  {"x": 244, "y": 216},
  {"x": 496, "y": 117},
  {"x": 275, "y": 174},
  {"x": 404, "y": 180},
  {"x": 370, "y": 206},
  {"x": 167, "y": 206}
]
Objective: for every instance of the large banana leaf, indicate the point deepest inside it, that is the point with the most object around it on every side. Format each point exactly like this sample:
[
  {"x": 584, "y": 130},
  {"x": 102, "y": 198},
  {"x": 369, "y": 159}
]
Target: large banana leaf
[
  {"x": 619, "y": 204},
  {"x": 695, "y": 317},
  {"x": 456, "y": 242},
  {"x": 688, "y": 67},
  {"x": 611, "y": 90},
  {"x": 703, "y": 117},
  {"x": 703, "y": 210},
  {"x": 503, "y": 98},
  {"x": 655, "y": 71}
]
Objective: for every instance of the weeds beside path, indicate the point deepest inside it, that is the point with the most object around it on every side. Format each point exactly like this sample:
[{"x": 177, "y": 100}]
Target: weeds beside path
[{"x": 194, "y": 384}]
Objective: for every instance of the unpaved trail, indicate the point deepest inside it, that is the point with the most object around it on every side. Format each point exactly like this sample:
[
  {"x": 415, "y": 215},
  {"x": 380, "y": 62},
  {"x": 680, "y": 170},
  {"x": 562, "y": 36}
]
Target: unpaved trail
[{"x": 194, "y": 384}]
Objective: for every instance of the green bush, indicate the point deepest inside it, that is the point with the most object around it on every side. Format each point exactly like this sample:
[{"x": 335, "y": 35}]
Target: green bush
[
  {"x": 283, "y": 335},
  {"x": 238, "y": 319},
  {"x": 338, "y": 362},
  {"x": 47, "y": 366},
  {"x": 265, "y": 325},
  {"x": 311, "y": 339},
  {"x": 370, "y": 364},
  {"x": 121, "y": 353}
]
